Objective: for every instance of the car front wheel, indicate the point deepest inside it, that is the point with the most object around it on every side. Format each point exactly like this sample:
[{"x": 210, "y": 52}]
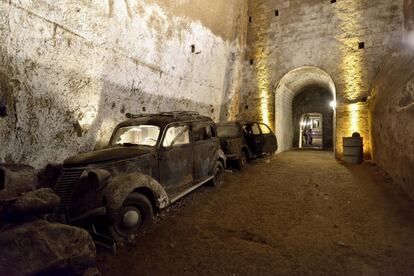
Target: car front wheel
[
  {"x": 242, "y": 161},
  {"x": 218, "y": 177},
  {"x": 135, "y": 214}
]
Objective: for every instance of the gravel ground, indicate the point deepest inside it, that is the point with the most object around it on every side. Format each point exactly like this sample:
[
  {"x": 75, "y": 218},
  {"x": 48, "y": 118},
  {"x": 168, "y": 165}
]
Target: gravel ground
[{"x": 302, "y": 213}]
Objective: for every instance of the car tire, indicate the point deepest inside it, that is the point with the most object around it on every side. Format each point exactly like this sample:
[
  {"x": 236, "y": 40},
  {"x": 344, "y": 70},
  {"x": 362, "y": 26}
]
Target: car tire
[
  {"x": 218, "y": 174},
  {"x": 134, "y": 216},
  {"x": 242, "y": 161}
]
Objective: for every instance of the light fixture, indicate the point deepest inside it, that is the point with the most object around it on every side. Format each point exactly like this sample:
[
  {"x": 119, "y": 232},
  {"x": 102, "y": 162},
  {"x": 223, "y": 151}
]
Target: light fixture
[{"x": 333, "y": 104}]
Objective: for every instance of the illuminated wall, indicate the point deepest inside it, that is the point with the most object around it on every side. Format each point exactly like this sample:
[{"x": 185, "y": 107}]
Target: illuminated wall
[
  {"x": 70, "y": 70},
  {"x": 353, "y": 118},
  {"x": 323, "y": 35}
]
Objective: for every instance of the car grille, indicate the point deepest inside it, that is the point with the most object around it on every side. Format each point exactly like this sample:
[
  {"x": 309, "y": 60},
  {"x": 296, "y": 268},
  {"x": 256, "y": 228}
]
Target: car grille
[{"x": 64, "y": 189}]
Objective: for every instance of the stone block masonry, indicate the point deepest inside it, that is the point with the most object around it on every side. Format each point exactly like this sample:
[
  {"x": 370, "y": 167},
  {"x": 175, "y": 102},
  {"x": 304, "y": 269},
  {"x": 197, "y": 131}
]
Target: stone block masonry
[{"x": 320, "y": 34}]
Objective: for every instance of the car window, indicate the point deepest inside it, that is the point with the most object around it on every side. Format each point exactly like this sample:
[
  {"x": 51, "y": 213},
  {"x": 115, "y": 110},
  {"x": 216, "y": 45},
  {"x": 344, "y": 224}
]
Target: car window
[
  {"x": 247, "y": 129},
  {"x": 255, "y": 129},
  {"x": 228, "y": 131},
  {"x": 213, "y": 131},
  {"x": 176, "y": 135},
  {"x": 265, "y": 129},
  {"x": 146, "y": 135},
  {"x": 202, "y": 132}
]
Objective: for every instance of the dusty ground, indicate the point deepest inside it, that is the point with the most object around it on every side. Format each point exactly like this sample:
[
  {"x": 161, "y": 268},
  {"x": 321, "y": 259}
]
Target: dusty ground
[{"x": 302, "y": 213}]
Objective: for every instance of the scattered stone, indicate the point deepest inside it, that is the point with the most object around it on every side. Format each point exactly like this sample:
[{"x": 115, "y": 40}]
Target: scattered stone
[
  {"x": 32, "y": 204},
  {"x": 42, "y": 247},
  {"x": 15, "y": 180},
  {"x": 341, "y": 244}
]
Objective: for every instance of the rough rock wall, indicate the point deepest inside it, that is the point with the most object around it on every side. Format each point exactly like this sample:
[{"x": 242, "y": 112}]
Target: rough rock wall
[
  {"x": 287, "y": 34},
  {"x": 392, "y": 110},
  {"x": 70, "y": 70}
]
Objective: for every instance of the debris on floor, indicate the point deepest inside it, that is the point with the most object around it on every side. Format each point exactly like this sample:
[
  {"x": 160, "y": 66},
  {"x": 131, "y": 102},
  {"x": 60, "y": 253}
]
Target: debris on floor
[{"x": 32, "y": 245}]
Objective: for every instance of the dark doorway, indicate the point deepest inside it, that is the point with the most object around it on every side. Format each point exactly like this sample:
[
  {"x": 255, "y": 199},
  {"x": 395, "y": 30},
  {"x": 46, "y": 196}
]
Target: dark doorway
[{"x": 312, "y": 111}]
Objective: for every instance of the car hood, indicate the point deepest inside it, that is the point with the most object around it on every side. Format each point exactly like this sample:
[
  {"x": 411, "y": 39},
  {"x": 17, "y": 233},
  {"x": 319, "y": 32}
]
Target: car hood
[{"x": 107, "y": 155}]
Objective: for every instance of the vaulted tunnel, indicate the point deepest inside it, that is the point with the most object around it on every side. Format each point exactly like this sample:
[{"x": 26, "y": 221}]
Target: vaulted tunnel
[
  {"x": 290, "y": 86},
  {"x": 332, "y": 78},
  {"x": 313, "y": 100}
]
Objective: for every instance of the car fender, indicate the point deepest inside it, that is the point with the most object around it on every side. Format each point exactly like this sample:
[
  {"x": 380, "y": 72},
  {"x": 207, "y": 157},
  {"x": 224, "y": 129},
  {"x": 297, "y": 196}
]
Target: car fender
[
  {"x": 220, "y": 155},
  {"x": 119, "y": 187}
]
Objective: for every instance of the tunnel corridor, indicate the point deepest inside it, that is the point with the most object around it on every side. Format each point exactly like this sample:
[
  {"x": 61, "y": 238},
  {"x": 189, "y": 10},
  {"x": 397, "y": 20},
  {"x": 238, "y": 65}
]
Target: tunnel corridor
[
  {"x": 313, "y": 112},
  {"x": 110, "y": 117},
  {"x": 304, "y": 90}
]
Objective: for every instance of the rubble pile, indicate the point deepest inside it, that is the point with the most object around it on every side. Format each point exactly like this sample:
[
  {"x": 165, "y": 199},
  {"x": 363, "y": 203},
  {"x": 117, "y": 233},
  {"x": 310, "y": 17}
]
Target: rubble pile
[{"x": 30, "y": 243}]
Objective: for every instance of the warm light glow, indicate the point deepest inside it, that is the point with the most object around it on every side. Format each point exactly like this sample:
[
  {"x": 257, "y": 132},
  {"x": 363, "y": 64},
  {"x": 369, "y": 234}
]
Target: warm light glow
[
  {"x": 263, "y": 83},
  {"x": 355, "y": 119},
  {"x": 352, "y": 62}
]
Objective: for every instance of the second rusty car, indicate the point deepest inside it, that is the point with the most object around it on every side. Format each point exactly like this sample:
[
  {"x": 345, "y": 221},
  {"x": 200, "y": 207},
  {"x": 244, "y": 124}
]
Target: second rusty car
[
  {"x": 151, "y": 161},
  {"x": 242, "y": 141}
]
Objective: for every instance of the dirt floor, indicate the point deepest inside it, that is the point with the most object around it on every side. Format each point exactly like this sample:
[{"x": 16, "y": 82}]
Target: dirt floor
[{"x": 300, "y": 213}]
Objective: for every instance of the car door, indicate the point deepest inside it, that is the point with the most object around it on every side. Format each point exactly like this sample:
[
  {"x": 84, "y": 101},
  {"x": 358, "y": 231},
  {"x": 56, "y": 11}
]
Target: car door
[
  {"x": 253, "y": 137},
  {"x": 269, "y": 139},
  {"x": 176, "y": 158},
  {"x": 205, "y": 145}
]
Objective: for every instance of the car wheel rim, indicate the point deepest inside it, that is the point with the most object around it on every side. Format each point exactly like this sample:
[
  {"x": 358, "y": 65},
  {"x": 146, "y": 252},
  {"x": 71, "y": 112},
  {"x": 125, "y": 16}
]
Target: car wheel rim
[{"x": 129, "y": 221}]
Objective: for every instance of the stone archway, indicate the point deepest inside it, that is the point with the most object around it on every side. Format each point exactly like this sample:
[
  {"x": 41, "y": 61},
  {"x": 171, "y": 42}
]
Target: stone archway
[{"x": 289, "y": 86}]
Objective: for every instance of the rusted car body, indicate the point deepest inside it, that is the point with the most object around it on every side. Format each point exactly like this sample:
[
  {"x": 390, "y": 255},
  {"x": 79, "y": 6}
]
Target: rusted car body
[
  {"x": 241, "y": 141},
  {"x": 151, "y": 161}
]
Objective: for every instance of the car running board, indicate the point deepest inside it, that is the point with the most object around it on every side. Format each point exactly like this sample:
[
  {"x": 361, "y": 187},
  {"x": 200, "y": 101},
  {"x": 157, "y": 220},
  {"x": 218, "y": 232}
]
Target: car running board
[
  {"x": 191, "y": 189},
  {"x": 103, "y": 240}
]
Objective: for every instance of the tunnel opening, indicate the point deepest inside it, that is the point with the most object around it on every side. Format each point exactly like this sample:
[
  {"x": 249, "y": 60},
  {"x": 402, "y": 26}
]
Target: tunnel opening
[
  {"x": 310, "y": 131},
  {"x": 313, "y": 119},
  {"x": 305, "y": 90}
]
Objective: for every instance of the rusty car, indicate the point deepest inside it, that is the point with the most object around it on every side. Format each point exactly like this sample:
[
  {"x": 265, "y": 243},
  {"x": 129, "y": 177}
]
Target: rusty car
[
  {"x": 151, "y": 161},
  {"x": 242, "y": 141}
]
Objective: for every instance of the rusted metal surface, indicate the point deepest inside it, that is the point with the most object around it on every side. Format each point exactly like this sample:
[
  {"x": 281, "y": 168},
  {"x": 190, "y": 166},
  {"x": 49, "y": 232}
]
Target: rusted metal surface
[
  {"x": 100, "y": 181},
  {"x": 253, "y": 144}
]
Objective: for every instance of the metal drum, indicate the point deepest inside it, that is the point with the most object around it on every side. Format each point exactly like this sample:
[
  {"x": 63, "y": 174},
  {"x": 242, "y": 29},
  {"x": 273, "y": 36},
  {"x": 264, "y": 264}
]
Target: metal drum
[{"x": 353, "y": 149}]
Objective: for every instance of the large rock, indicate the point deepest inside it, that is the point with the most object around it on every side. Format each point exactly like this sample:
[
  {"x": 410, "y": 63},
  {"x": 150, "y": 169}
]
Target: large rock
[
  {"x": 40, "y": 247},
  {"x": 16, "y": 179},
  {"x": 31, "y": 204}
]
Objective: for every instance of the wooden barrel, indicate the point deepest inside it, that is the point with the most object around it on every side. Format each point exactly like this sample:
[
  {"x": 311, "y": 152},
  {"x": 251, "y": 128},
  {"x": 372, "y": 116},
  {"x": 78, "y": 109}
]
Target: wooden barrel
[{"x": 353, "y": 150}]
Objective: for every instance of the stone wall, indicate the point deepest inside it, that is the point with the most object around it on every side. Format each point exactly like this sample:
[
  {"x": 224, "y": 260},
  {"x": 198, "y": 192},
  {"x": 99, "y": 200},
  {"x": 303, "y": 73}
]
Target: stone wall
[
  {"x": 287, "y": 34},
  {"x": 70, "y": 70},
  {"x": 392, "y": 109}
]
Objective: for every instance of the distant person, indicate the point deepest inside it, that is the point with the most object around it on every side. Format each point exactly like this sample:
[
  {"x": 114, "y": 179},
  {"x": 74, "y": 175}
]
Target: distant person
[
  {"x": 307, "y": 136},
  {"x": 304, "y": 137},
  {"x": 310, "y": 133}
]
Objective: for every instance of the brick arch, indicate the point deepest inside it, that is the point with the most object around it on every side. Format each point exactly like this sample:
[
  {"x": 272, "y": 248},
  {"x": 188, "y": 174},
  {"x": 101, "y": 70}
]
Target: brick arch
[{"x": 288, "y": 87}]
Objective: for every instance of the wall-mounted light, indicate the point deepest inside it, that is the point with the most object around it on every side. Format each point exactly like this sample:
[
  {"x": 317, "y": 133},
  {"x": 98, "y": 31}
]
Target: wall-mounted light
[{"x": 332, "y": 104}]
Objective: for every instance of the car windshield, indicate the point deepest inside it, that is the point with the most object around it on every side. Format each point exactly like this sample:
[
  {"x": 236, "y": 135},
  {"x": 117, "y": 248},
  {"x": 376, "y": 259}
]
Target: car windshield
[
  {"x": 228, "y": 131},
  {"x": 144, "y": 135}
]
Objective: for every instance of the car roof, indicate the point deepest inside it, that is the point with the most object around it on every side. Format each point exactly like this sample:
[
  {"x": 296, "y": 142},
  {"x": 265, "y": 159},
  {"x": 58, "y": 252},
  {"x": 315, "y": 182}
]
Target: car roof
[{"x": 164, "y": 119}]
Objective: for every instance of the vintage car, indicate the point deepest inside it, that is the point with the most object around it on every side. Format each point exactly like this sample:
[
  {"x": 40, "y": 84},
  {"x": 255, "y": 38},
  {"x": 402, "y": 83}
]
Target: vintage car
[
  {"x": 151, "y": 161},
  {"x": 242, "y": 141}
]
